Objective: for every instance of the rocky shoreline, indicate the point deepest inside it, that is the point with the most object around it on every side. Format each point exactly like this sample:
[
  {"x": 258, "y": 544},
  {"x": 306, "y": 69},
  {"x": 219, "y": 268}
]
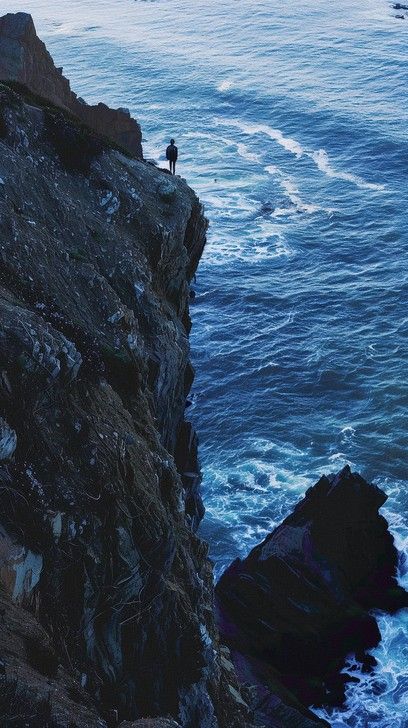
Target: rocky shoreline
[{"x": 106, "y": 590}]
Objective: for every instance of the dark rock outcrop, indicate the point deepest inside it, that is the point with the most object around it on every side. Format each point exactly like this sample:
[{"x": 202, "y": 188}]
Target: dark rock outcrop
[
  {"x": 24, "y": 59},
  {"x": 299, "y": 603},
  {"x": 109, "y": 591}
]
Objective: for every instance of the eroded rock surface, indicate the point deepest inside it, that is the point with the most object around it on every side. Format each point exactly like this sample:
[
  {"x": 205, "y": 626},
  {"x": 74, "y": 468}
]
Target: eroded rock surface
[
  {"x": 299, "y": 603},
  {"x": 98, "y": 516},
  {"x": 25, "y": 59}
]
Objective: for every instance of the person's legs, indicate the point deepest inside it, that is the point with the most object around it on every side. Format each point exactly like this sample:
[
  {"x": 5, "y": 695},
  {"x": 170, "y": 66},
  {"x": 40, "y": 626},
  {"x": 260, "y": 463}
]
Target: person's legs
[{"x": 170, "y": 165}]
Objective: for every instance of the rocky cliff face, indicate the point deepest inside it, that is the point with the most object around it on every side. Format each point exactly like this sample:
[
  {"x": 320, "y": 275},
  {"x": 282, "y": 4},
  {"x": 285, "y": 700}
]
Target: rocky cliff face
[
  {"x": 25, "y": 59},
  {"x": 299, "y": 603},
  {"x": 106, "y": 591}
]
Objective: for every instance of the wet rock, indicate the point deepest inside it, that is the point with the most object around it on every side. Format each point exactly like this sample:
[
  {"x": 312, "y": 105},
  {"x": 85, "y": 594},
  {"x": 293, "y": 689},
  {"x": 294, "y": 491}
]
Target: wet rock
[
  {"x": 302, "y": 600},
  {"x": 31, "y": 677},
  {"x": 166, "y": 191},
  {"x": 20, "y": 568}
]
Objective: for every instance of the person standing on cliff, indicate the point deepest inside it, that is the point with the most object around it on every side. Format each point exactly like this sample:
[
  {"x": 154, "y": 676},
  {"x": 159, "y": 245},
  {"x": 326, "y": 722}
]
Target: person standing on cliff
[{"x": 171, "y": 155}]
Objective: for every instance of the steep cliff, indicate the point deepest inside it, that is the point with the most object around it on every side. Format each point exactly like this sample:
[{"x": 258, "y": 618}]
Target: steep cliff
[
  {"x": 25, "y": 59},
  {"x": 106, "y": 591}
]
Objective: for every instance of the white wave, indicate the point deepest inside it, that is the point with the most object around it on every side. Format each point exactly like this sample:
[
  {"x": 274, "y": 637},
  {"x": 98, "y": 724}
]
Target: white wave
[
  {"x": 273, "y": 170},
  {"x": 339, "y": 456},
  {"x": 321, "y": 159},
  {"x": 225, "y": 85},
  {"x": 292, "y": 193},
  {"x": 245, "y": 153},
  {"x": 291, "y": 145},
  {"x": 348, "y": 431},
  {"x": 242, "y": 148},
  {"x": 378, "y": 697},
  {"x": 300, "y": 205},
  {"x": 258, "y": 245}
]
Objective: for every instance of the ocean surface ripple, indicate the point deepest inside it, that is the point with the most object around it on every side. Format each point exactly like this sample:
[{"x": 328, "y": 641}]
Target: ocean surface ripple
[{"x": 291, "y": 124}]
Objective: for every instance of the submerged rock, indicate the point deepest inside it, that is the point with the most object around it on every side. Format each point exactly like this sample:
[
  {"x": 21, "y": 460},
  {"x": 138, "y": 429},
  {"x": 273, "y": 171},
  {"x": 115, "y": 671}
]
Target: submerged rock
[{"x": 300, "y": 602}]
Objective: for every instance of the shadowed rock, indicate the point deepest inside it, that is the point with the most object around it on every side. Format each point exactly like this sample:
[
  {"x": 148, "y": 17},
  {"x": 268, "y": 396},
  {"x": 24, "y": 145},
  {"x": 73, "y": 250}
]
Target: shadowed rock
[
  {"x": 98, "y": 554},
  {"x": 299, "y": 603},
  {"x": 151, "y": 723},
  {"x": 24, "y": 59}
]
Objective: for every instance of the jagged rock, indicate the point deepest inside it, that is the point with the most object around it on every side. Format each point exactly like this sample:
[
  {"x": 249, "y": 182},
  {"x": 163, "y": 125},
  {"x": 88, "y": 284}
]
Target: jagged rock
[
  {"x": 35, "y": 689},
  {"x": 24, "y": 59},
  {"x": 299, "y": 603},
  {"x": 167, "y": 191},
  {"x": 8, "y": 441},
  {"x": 97, "y": 402},
  {"x": 20, "y": 568},
  {"x": 151, "y": 723}
]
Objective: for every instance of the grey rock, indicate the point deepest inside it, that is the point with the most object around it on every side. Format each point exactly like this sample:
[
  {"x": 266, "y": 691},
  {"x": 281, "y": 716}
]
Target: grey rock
[{"x": 8, "y": 441}]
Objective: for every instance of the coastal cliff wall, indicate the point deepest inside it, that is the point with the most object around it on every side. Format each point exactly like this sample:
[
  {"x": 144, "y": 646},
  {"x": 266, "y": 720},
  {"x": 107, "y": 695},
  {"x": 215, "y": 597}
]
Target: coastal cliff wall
[
  {"x": 106, "y": 592},
  {"x": 25, "y": 59}
]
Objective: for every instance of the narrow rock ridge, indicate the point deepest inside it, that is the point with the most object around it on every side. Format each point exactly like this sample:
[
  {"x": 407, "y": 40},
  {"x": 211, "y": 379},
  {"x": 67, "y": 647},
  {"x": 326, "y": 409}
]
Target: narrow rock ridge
[
  {"x": 106, "y": 591},
  {"x": 300, "y": 602},
  {"x": 24, "y": 59}
]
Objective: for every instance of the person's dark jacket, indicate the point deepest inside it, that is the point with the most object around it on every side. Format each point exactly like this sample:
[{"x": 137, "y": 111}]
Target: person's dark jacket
[{"x": 172, "y": 153}]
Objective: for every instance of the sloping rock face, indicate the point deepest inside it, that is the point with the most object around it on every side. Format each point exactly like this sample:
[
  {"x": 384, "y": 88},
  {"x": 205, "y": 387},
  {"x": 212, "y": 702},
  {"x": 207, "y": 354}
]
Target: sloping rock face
[
  {"x": 97, "y": 542},
  {"x": 25, "y": 59},
  {"x": 298, "y": 604}
]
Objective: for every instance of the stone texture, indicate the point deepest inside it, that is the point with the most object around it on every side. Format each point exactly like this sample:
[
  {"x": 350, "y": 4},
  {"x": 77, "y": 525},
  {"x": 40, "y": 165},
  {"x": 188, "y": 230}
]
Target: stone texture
[
  {"x": 151, "y": 723},
  {"x": 300, "y": 602},
  {"x": 24, "y": 59},
  {"x": 95, "y": 265},
  {"x": 35, "y": 688}
]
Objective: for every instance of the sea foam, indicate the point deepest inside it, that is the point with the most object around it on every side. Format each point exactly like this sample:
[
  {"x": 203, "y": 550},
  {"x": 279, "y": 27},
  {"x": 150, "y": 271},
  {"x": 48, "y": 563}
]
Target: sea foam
[{"x": 319, "y": 157}]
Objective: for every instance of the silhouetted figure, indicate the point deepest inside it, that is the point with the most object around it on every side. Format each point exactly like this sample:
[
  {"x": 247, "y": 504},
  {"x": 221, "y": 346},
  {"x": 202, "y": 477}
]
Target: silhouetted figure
[{"x": 171, "y": 155}]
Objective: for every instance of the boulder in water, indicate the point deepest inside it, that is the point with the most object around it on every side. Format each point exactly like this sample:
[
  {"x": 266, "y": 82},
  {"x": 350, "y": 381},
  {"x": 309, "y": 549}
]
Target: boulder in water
[{"x": 299, "y": 603}]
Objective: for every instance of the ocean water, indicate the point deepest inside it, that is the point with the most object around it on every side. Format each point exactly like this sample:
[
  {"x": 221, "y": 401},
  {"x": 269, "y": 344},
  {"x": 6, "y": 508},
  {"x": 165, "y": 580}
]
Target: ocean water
[{"x": 291, "y": 121}]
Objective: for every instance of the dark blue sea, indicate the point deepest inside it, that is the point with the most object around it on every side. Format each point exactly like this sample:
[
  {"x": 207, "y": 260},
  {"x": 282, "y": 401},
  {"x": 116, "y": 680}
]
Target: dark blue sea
[{"x": 291, "y": 121}]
